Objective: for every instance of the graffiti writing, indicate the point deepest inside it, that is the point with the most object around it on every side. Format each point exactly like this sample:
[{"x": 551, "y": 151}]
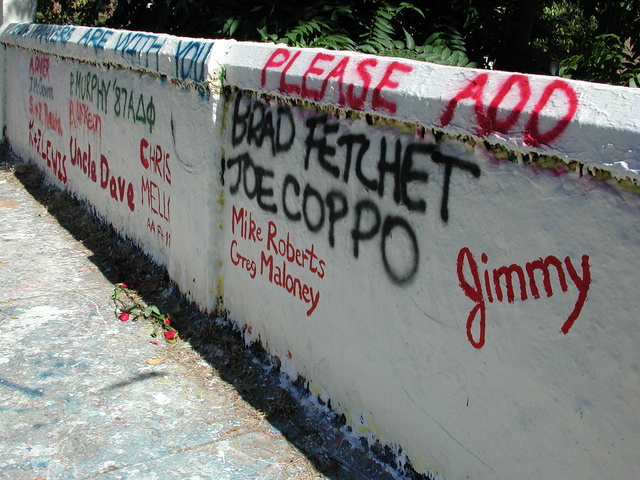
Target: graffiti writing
[
  {"x": 39, "y": 76},
  {"x": 278, "y": 257},
  {"x": 46, "y": 117},
  {"x": 191, "y": 56},
  {"x": 47, "y": 151},
  {"x": 46, "y": 33},
  {"x": 516, "y": 86},
  {"x": 37, "y": 87},
  {"x": 391, "y": 168},
  {"x": 82, "y": 159},
  {"x": 81, "y": 117},
  {"x": 120, "y": 189},
  {"x": 361, "y": 82},
  {"x": 140, "y": 48},
  {"x": 133, "y": 106},
  {"x": 155, "y": 198},
  {"x": 155, "y": 161},
  {"x": 96, "y": 38},
  {"x": 90, "y": 88},
  {"x": 161, "y": 232},
  {"x": 481, "y": 285},
  {"x": 39, "y": 66},
  {"x": 127, "y": 104}
]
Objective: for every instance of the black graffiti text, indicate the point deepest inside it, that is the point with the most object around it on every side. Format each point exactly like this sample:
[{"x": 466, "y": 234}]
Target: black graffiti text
[{"x": 376, "y": 167}]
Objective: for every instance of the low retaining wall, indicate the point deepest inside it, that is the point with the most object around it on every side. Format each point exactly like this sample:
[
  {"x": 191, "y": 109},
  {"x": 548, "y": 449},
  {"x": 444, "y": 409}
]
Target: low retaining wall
[{"x": 449, "y": 256}]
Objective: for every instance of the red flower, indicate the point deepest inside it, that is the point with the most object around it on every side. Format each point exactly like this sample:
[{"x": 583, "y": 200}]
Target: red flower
[
  {"x": 124, "y": 316},
  {"x": 167, "y": 321},
  {"x": 170, "y": 334},
  {"x": 123, "y": 285}
]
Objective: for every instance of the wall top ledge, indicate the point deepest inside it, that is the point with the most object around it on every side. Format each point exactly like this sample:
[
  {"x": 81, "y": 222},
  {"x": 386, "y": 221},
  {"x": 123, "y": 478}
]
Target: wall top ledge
[
  {"x": 597, "y": 125},
  {"x": 189, "y": 60}
]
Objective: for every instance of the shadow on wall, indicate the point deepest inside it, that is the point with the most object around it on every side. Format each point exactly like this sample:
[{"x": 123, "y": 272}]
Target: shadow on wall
[
  {"x": 255, "y": 375},
  {"x": 18, "y": 11}
]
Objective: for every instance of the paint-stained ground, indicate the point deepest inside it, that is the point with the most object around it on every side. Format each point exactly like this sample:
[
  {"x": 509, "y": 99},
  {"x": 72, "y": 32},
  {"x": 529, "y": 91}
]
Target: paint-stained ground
[{"x": 84, "y": 395}]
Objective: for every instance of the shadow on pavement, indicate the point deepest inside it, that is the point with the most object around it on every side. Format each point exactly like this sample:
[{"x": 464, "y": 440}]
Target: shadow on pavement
[{"x": 137, "y": 378}]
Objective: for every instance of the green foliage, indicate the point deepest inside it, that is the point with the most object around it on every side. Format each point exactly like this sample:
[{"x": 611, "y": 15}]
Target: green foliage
[
  {"x": 595, "y": 40},
  {"x": 381, "y": 37},
  {"x": 607, "y": 59},
  {"x": 92, "y": 13}
]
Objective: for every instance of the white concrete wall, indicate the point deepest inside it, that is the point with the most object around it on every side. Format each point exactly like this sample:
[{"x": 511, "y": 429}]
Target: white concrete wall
[{"x": 448, "y": 255}]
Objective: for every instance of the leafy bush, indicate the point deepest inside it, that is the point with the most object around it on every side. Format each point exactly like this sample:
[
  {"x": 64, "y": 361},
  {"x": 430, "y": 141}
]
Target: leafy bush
[
  {"x": 77, "y": 12},
  {"x": 607, "y": 59},
  {"x": 595, "y": 40}
]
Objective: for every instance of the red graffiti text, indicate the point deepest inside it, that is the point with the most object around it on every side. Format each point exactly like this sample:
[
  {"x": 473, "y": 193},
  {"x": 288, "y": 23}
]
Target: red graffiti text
[
  {"x": 82, "y": 159},
  {"x": 46, "y": 117},
  {"x": 156, "y": 159},
  {"x": 120, "y": 189},
  {"x": 39, "y": 66},
  {"x": 81, "y": 117},
  {"x": 482, "y": 285},
  {"x": 161, "y": 232},
  {"x": 351, "y": 74},
  {"x": 280, "y": 260},
  {"x": 156, "y": 199},
  {"x": 47, "y": 151},
  {"x": 517, "y": 86},
  {"x": 305, "y": 258}
]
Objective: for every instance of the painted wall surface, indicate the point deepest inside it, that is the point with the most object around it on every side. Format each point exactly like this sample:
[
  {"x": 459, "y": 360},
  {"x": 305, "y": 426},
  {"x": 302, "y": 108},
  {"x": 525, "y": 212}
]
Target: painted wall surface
[
  {"x": 448, "y": 300},
  {"x": 448, "y": 255},
  {"x": 465, "y": 307}
]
